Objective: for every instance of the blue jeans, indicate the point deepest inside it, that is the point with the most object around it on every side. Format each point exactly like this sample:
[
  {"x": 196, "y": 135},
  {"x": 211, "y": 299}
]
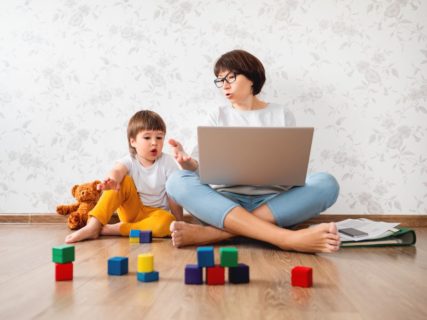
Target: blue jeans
[{"x": 288, "y": 208}]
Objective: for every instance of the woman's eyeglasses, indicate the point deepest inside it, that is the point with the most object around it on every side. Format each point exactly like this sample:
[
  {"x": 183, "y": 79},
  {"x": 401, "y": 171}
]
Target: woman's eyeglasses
[{"x": 229, "y": 78}]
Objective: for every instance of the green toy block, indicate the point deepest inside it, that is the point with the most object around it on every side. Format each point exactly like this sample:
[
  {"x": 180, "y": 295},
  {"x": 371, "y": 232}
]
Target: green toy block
[
  {"x": 228, "y": 257},
  {"x": 63, "y": 254}
]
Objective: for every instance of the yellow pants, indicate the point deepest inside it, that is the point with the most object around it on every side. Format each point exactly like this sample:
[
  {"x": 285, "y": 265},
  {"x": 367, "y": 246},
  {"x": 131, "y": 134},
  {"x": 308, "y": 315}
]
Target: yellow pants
[{"x": 132, "y": 213}]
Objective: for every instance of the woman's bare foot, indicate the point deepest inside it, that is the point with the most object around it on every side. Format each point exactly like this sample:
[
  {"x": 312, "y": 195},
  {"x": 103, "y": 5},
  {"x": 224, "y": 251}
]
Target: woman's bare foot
[
  {"x": 184, "y": 234},
  {"x": 321, "y": 238},
  {"x": 90, "y": 231},
  {"x": 111, "y": 229}
]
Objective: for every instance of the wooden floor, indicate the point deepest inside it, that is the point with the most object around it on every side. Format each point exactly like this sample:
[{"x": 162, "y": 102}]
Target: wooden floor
[{"x": 375, "y": 283}]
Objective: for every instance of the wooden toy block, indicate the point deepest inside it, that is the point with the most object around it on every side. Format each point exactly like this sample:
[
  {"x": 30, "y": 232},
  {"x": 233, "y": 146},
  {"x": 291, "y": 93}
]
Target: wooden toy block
[
  {"x": 63, "y": 254},
  {"x": 148, "y": 276},
  {"x": 134, "y": 233},
  {"x": 228, "y": 257},
  {"x": 205, "y": 257},
  {"x": 146, "y": 262},
  {"x": 64, "y": 271},
  {"x": 193, "y": 274},
  {"x": 215, "y": 275},
  {"x": 239, "y": 274},
  {"x": 302, "y": 277},
  {"x": 146, "y": 236},
  {"x": 118, "y": 266},
  {"x": 133, "y": 240}
]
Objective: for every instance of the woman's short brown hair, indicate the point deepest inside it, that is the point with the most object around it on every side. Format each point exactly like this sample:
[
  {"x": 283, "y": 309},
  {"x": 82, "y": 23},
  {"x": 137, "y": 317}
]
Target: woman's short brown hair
[
  {"x": 144, "y": 120},
  {"x": 242, "y": 62}
]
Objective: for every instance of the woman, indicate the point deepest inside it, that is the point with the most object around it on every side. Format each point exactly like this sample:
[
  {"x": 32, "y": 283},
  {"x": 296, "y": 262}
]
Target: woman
[{"x": 256, "y": 212}]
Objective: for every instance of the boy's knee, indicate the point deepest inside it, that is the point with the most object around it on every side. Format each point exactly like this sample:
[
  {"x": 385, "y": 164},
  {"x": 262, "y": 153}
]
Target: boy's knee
[
  {"x": 127, "y": 183},
  {"x": 127, "y": 179}
]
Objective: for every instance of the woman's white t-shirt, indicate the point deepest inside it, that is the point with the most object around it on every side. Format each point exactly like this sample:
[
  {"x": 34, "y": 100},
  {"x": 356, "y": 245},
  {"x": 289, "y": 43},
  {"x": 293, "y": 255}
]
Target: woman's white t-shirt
[
  {"x": 150, "y": 181},
  {"x": 273, "y": 115}
]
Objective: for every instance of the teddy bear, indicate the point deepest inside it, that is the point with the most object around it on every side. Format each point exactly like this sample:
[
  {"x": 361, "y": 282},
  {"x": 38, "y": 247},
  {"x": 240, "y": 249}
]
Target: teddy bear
[{"x": 87, "y": 196}]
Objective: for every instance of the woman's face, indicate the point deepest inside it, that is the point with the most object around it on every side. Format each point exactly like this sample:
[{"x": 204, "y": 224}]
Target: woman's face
[{"x": 239, "y": 89}]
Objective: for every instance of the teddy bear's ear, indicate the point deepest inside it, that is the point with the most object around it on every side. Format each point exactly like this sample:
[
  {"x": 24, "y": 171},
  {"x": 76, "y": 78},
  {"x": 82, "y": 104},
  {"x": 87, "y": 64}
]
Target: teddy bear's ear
[
  {"x": 73, "y": 190},
  {"x": 95, "y": 183}
]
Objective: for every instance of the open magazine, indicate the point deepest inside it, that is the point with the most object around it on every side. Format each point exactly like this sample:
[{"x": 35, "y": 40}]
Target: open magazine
[
  {"x": 364, "y": 232},
  {"x": 369, "y": 229}
]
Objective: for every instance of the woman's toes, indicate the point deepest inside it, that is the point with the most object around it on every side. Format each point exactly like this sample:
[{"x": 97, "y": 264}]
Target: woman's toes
[
  {"x": 175, "y": 238},
  {"x": 334, "y": 248},
  {"x": 333, "y": 243},
  {"x": 333, "y": 228},
  {"x": 176, "y": 225}
]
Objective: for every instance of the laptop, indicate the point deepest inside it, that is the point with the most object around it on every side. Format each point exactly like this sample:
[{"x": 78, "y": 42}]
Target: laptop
[{"x": 254, "y": 155}]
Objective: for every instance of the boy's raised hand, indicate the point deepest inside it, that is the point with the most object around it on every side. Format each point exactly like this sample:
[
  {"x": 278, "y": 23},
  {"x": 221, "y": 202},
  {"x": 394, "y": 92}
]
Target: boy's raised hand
[
  {"x": 184, "y": 160},
  {"x": 108, "y": 184}
]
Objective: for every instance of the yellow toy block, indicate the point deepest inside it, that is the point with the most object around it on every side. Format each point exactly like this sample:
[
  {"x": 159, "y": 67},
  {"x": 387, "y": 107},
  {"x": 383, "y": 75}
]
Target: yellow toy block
[
  {"x": 146, "y": 262},
  {"x": 133, "y": 240}
]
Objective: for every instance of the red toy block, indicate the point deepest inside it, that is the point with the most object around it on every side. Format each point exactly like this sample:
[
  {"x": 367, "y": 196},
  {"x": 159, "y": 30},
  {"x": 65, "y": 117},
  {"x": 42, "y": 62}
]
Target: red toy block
[
  {"x": 63, "y": 271},
  {"x": 302, "y": 277},
  {"x": 215, "y": 275}
]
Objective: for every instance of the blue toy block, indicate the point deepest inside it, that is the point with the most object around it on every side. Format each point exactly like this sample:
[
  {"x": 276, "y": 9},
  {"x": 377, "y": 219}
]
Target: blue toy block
[
  {"x": 205, "y": 257},
  {"x": 134, "y": 234},
  {"x": 118, "y": 266},
  {"x": 193, "y": 274},
  {"x": 146, "y": 236},
  {"x": 239, "y": 274},
  {"x": 147, "y": 276}
]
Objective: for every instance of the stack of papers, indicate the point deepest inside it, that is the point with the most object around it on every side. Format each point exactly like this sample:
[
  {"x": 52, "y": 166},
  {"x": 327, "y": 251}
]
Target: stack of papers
[{"x": 371, "y": 229}]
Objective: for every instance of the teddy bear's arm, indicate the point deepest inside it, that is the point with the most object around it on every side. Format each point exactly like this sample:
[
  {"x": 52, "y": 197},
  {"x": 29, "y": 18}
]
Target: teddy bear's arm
[{"x": 67, "y": 208}]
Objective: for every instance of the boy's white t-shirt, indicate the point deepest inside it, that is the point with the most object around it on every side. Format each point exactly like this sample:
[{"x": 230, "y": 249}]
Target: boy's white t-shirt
[
  {"x": 151, "y": 182},
  {"x": 273, "y": 115}
]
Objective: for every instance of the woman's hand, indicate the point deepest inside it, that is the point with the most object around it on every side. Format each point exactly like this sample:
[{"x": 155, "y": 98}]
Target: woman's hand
[{"x": 184, "y": 160}]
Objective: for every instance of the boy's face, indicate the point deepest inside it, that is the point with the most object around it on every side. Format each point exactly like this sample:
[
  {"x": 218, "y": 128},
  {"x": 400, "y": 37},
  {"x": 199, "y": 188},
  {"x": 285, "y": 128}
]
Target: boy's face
[{"x": 148, "y": 145}]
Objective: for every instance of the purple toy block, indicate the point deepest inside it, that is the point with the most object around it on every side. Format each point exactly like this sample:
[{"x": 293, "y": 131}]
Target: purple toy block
[
  {"x": 193, "y": 274},
  {"x": 145, "y": 236},
  {"x": 239, "y": 274}
]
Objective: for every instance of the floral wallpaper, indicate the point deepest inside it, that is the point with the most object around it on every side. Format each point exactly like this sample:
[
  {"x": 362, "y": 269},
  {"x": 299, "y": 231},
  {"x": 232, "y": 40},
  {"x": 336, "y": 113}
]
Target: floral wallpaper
[{"x": 72, "y": 72}]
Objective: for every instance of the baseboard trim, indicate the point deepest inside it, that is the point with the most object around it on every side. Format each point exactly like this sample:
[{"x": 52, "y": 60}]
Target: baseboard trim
[{"x": 405, "y": 220}]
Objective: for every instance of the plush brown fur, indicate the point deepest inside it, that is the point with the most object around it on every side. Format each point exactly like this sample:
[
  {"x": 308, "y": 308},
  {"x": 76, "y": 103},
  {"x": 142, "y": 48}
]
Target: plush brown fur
[{"x": 87, "y": 196}]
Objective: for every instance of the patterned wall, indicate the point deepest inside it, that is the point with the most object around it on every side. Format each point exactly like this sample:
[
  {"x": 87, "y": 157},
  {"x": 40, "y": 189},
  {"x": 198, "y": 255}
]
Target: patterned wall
[{"x": 72, "y": 72}]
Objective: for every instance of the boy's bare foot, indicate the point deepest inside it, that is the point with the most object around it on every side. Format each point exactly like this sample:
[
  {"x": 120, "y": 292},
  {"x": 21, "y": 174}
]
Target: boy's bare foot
[
  {"x": 321, "y": 238},
  {"x": 111, "y": 229},
  {"x": 184, "y": 234},
  {"x": 90, "y": 231}
]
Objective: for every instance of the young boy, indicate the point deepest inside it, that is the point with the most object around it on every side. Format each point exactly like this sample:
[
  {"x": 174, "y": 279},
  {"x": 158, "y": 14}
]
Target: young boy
[{"x": 135, "y": 187}]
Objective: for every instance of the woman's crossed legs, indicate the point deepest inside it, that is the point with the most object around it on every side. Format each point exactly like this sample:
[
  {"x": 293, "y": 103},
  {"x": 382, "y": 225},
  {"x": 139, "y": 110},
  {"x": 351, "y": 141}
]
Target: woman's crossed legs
[{"x": 300, "y": 203}]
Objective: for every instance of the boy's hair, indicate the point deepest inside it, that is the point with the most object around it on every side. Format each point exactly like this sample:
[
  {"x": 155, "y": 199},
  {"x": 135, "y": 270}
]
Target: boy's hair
[
  {"x": 242, "y": 62},
  {"x": 144, "y": 120}
]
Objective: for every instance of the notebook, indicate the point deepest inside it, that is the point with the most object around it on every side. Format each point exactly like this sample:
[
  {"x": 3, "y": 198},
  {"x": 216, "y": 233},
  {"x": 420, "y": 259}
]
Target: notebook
[{"x": 254, "y": 155}]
